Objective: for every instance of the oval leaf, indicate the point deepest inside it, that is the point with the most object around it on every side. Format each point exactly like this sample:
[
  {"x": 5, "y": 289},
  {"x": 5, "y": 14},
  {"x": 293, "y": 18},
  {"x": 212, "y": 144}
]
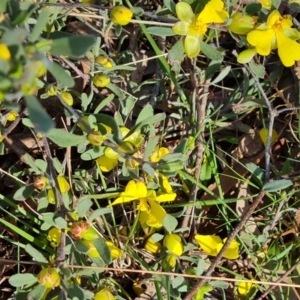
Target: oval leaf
[
  {"x": 18, "y": 280},
  {"x": 277, "y": 185},
  {"x": 64, "y": 139}
]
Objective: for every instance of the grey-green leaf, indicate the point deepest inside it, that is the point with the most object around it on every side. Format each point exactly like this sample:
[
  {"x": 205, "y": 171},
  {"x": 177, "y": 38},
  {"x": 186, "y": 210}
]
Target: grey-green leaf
[
  {"x": 161, "y": 31},
  {"x": 38, "y": 116},
  {"x": 34, "y": 253},
  {"x": 103, "y": 249},
  {"x": 170, "y": 223},
  {"x": 18, "y": 280},
  {"x": 210, "y": 52},
  {"x": 61, "y": 75},
  {"x": 63, "y": 138},
  {"x": 74, "y": 46},
  {"x": 277, "y": 185}
]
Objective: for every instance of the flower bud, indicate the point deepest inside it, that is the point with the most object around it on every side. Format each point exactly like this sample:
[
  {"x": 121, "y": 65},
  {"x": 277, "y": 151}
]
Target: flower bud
[
  {"x": 173, "y": 243},
  {"x": 82, "y": 230},
  {"x": 54, "y": 236},
  {"x": 63, "y": 184},
  {"x": 169, "y": 262},
  {"x": 241, "y": 23},
  {"x": 51, "y": 90},
  {"x": 96, "y": 138},
  {"x": 51, "y": 197},
  {"x": 151, "y": 246},
  {"x": 40, "y": 182},
  {"x": 49, "y": 278},
  {"x": 127, "y": 148},
  {"x": 101, "y": 80},
  {"x": 121, "y": 15},
  {"x": 104, "y": 61},
  {"x": 67, "y": 97}
]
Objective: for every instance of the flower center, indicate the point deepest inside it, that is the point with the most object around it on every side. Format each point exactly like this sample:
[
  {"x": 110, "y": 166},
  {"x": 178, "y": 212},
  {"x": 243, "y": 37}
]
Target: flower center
[
  {"x": 143, "y": 205},
  {"x": 197, "y": 28},
  {"x": 278, "y": 25}
]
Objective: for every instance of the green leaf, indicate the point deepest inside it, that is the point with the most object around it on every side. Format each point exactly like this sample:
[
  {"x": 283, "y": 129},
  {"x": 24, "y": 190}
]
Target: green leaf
[
  {"x": 161, "y": 31},
  {"x": 170, "y": 5},
  {"x": 137, "y": 11},
  {"x": 75, "y": 292},
  {"x": 99, "y": 212},
  {"x": 37, "y": 292},
  {"x": 18, "y": 280},
  {"x": 74, "y": 46},
  {"x": 37, "y": 114},
  {"x": 222, "y": 75},
  {"x": 64, "y": 139},
  {"x": 277, "y": 185},
  {"x": 3, "y": 5},
  {"x": 60, "y": 223},
  {"x": 258, "y": 70},
  {"x": 253, "y": 8},
  {"x": 103, "y": 250},
  {"x": 61, "y": 75},
  {"x": 34, "y": 253},
  {"x": 149, "y": 170},
  {"x": 23, "y": 192},
  {"x": 84, "y": 204},
  {"x": 104, "y": 103},
  {"x": 176, "y": 52},
  {"x": 170, "y": 223},
  {"x": 210, "y": 52},
  {"x": 41, "y": 23},
  {"x": 145, "y": 113}
]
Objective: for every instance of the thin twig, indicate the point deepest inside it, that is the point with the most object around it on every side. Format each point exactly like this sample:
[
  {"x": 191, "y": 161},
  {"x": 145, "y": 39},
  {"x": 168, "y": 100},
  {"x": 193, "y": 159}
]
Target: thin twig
[
  {"x": 283, "y": 277},
  {"x": 230, "y": 238}
]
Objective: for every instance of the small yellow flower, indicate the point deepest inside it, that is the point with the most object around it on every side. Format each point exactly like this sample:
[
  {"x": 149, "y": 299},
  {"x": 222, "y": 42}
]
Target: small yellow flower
[
  {"x": 245, "y": 287},
  {"x": 151, "y": 246},
  {"x": 277, "y": 33},
  {"x": 40, "y": 182},
  {"x": 104, "y": 61},
  {"x": 212, "y": 245},
  {"x": 12, "y": 116},
  {"x": 51, "y": 90},
  {"x": 49, "y": 278},
  {"x": 4, "y": 52},
  {"x": 173, "y": 243},
  {"x": 104, "y": 294},
  {"x": 158, "y": 154},
  {"x": 51, "y": 197},
  {"x": 101, "y": 80},
  {"x": 169, "y": 262},
  {"x": 96, "y": 138},
  {"x": 121, "y": 15},
  {"x": 263, "y": 133},
  {"x": 194, "y": 27},
  {"x": 267, "y": 4}
]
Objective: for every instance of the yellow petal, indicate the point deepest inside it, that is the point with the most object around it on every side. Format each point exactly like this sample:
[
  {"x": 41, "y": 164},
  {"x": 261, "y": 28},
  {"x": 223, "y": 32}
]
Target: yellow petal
[
  {"x": 208, "y": 243},
  {"x": 173, "y": 243},
  {"x": 63, "y": 184},
  {"x": 114, "y": 250},
  {"x": 192, "y": 45},
  {"x": 263, "y": 133},
  {"x": 154, "y": 217},
  {"x": 106, "y": 164},
  {"x": 181, "y": 28},
  {"x": 184, "y": 12},
  {"x": 136, "y": 189},
  {"x": 104, "y": 294},
  {"x": 213, "y": 12},
  {"x": 4, "y": 52},
  {"x": 143, "y": 205},
  {"x": 166, "y": 197},
  {"x": 273, "y": 18},
  {"x": 261, "y": 40},
  {"x": 244, "y": 287},
  {"x": 232, "y": 252},
  {"x": 110, "y": 153},
  {"x": 165, "y": 184},
  {"x": 288, "y": 50}
]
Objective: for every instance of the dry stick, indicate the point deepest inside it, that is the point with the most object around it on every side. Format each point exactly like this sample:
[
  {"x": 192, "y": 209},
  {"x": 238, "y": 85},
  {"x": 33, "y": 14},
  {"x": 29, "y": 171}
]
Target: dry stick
[
  {"x": 284, "y": 276},
  {"x": 256, "y": 201},
  {"x": 200, "y": 90},
  {"x": 226, "y": 245}
]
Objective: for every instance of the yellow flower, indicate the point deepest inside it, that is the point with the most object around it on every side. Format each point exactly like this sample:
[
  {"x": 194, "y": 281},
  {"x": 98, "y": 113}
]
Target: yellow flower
[
  {"x": 267, "y": 4},
  {"x": 114, "y": 250},
  {"x": 241, "y": 23},
  {"x": 12, "y": 116},
  {"x": 169, "y": 262},
  {"x": 67, "y": 97},
  {"x": 101, "y": 80},
  {"x": 245, "y": 287},
  {"x": 151, "y": 246},
  {"x": 263, "y": 133},
  {"x": 121, "y": 15},
  {"x": 173, "y": 243},
  {"x": 194, "y": 27},
  {"x": 4, "y": 52},
  {"x": 212, "y": 245},
  {"x": 276, "y": 33},
  {"x": 110, "y": 158},
  {"x": 152, "y": 213},
  {"x": 158, "y": 154},
  {"x": 104, "y": 294},
  {"x": 96, "y": 138}
]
